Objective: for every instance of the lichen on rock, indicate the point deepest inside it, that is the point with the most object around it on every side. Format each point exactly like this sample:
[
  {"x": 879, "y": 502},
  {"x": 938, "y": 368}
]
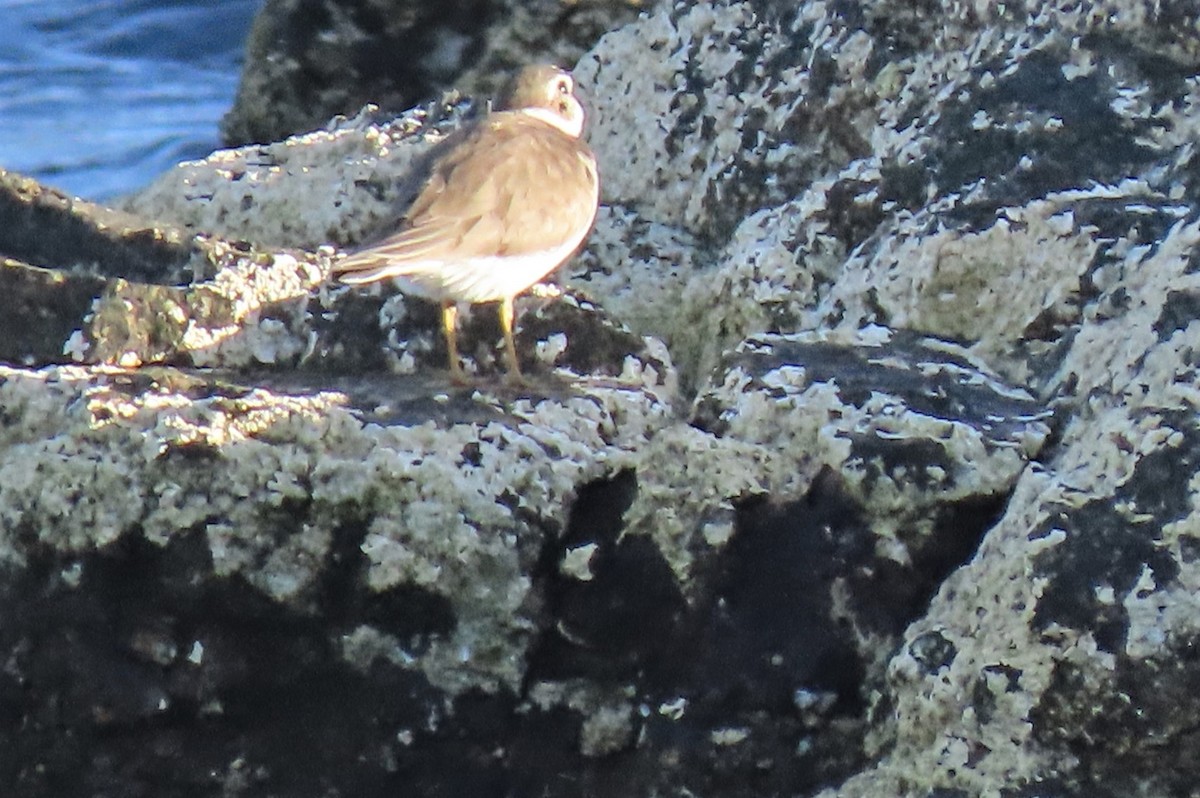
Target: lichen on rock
[{"x": 858, "y": 456}]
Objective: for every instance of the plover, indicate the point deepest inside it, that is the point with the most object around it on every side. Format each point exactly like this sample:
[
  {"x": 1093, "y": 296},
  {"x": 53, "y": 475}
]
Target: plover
[{"x": 500, "y": 204}]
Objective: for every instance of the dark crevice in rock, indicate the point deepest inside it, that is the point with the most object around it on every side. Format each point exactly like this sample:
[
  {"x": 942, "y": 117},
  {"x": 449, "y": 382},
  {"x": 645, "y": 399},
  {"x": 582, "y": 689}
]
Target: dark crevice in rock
[
  {"x": 622, "y": 620},
  {"x": 931, "y": 378},
  {"x": 1106, "y": 547},
  {"x": 411, "y": 614},
  {"x": 1094, "y": 143},
  {"x": 33, "y": 329},
  {"x": 1135, "y": 729},
  {"x": 770, "y": 628},
  {"x": 772, "y": 656},
  {"x": 43, "y": 227},
  {"x": 1106, "y": 555},
  {"x": 855, "y": 211},
  {"x": 768, "y": 655},
  {"x": 1180, "y": 309},
  {"x": 594, "y": 343},
  {"x": 134, "y": 665},
  {"x": 888, "y": 596}
]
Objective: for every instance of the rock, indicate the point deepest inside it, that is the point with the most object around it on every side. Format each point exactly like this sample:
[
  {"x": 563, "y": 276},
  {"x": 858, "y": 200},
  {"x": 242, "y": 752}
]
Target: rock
[
  {"x": 306, "y": 62},
  {"x": 857, "y": 459}
]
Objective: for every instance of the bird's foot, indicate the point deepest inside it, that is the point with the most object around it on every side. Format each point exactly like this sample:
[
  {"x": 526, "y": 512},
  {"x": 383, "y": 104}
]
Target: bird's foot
[{"x": 515, "y": 379}]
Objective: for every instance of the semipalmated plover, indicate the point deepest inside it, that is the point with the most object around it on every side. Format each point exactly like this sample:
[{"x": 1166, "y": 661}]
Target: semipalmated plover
[{"x": 500, "y": 204}]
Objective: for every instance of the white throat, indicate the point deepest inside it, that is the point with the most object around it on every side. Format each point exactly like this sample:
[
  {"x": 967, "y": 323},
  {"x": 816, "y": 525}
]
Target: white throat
[{"x": 572, "y": 127}]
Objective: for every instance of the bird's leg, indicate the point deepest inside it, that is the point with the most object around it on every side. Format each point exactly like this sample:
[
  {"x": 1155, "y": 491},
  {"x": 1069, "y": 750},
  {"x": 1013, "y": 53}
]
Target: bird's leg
[
  {"x": 510, "y": 348},
  {"x": 450, "y": 328}
]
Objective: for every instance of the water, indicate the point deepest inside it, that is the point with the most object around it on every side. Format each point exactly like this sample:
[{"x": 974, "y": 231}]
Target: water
[{"x": 98, "y": 98}]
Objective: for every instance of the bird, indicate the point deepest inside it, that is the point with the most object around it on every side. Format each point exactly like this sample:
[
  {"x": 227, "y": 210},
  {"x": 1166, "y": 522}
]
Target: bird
[{"x": 499, "y": 205}]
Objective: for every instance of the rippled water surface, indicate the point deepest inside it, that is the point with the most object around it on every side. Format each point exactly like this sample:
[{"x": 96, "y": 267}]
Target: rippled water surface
[{"x": 99, "y": 97}]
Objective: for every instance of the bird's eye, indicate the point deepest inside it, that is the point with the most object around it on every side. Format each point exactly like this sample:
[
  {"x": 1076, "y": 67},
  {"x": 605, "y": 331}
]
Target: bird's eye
[{"x": 564, "y": 86}]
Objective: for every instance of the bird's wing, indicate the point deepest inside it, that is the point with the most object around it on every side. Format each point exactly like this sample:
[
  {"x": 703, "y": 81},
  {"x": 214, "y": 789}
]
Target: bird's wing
[{"x": 507, "y": 187}]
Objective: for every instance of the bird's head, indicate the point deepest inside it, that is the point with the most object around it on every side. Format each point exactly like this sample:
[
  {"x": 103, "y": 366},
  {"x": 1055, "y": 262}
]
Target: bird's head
[{"x": 547, "y": 93}]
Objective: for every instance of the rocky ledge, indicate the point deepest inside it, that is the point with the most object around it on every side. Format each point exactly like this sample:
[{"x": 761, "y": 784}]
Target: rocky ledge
[{"x": 858, "y": 454}]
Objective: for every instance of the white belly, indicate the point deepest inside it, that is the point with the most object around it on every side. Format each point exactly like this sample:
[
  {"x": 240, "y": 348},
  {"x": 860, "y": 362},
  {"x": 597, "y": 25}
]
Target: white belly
[{"x": 483, "y": 279}]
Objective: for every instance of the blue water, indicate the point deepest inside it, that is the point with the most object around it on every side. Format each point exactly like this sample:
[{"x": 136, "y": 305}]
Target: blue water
[{"x": 98, "y": 98}]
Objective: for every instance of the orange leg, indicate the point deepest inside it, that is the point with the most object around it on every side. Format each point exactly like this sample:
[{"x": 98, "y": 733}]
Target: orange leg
[
  {"x": 510, "y": 348},
  {"x": 450, "y": 328}
]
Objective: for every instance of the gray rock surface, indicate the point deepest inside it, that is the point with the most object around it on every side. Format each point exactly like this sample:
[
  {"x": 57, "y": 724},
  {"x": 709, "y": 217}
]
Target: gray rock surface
[
  {"x": 858, "y": 460},
  {"x": 307, "y": 61}
]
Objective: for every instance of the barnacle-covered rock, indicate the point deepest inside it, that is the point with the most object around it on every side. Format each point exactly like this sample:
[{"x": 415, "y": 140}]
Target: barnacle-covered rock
[{"x": 858, "y": 457}]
